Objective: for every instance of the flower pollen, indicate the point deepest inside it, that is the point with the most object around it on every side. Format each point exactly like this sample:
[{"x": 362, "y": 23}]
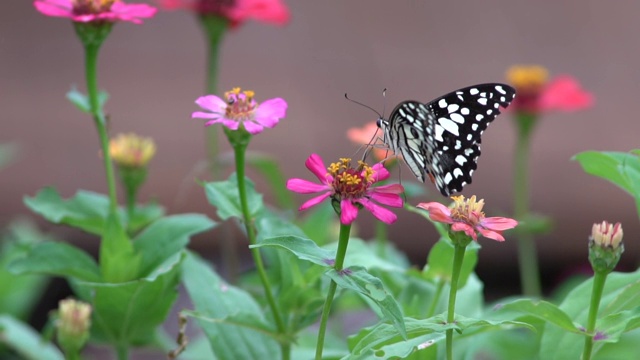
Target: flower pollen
[
  {"x": 240, "y": 105},
  {"x": 87, "y": 7},
  {"x": 350, "y": 183}
]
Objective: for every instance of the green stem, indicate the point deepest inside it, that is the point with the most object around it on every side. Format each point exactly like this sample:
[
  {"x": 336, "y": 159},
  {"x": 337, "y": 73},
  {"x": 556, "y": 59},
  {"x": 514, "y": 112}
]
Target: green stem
[
  {"x": 436, "y": 298},
  {"x": 458, "y": 257},
  {"x": 91, "y": 63},
  {"x": 527, "y": 255},
  {"x": 72, "y": 355},
  {"x": 381, "y": 237},
  {"x": 240, "y": 150},
  {"x": 122, "y": 352},
  {"x": 343, "y": 241},
  {"x": 599, "y": 280}
]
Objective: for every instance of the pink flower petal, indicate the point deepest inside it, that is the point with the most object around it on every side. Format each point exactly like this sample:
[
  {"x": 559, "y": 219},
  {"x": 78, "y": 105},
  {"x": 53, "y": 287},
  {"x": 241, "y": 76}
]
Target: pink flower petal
[
  {"x": 133, "y": 12},
  {"x": 270, "y": 112},
  {"x": 348, "y": 212},
  {"x": 382, "y": 214},
  {"x": 380, "y": 173},
  {"x": 302, "y": 186},
  {"x": 270, "y": 11},
  {"x": 393, "y": 200},
  {"x": 494, "y": 235},
  {"x": 212, "y": 122},
  {"x": 315, "y": 164},
  {"x": 468, "y": 229},
  {"x": 252, "y": 128},
  {"x": 204, "y": 115},
  {"x": 498, "y": 223},
  {"x": 390, "y": 189},
  {"x": 437, "y": 212},
  {"x": 230, "y": 124},
  {"x": 212, "y": 103},
  {"x": 58, "y": 8},
  {"x": 564, "y": 93},
  {"x": 314, "y": 201}
]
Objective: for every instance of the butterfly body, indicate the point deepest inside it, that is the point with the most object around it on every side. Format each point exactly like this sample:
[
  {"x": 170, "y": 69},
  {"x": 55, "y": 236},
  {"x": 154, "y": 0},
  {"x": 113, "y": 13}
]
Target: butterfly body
[{"x": 441, "y": 139}]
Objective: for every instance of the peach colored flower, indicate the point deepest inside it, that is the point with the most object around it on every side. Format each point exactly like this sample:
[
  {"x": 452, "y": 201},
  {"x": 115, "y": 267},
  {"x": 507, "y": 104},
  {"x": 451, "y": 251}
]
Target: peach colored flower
[
  {"x": 467, "y": 216},
  {"x": 364, "y": 135},
  {"x": 351, "y": 187},
  {"x": 95, "y": 10}
]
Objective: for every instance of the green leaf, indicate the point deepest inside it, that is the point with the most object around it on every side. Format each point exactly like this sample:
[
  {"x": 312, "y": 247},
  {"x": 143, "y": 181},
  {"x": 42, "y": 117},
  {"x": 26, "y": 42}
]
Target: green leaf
[
  {"x": 119, "y": 262},
  {"x": 223, "y": 195},
  {"x": 440, "y": 227},
  {"x": 81, "y": 101},
  {"x": 613, "y": 326},
  {"x": 542, "y": 310},
  {"x": 216, "y": 299},
  {"x": 357, "y": 278},
  {"x": 59, "y": 259},
  {"x": 247, "y": 320},
  {"x": 440, "y": 260},
  {"x": 166, "y": 237},
  {"x": 621, "y": 169},
  {"x": 26, "y": 341},
  {"x": 129, "y": 312},
  {"x": 303, "y": 248},
  {"x": 268, "y": 167},
  {"x": 321, "y": 223},
  {"x": 360, "y": 253},
  {"x": 143, "y": 216},
  {"x": 382, "y": 341}
]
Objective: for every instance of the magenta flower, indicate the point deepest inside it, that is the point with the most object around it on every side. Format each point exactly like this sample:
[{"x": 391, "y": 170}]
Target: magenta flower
[
  {"x": 352, "y": 188},
  {"x": 466, "y": 215},
  {"x": 238, "y": 11},
  {"x": 95, "y": 10},
  {"x": 241, "y": 108}
]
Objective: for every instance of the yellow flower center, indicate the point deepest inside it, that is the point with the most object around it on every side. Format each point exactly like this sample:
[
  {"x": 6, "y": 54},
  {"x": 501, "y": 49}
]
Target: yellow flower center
[
  {"x": 349, "y": 182},
  {"x": 241, "y": 105},
  {"x": 527, "y": 76},
  {"x": 131, "y": 150},
  {"x": 82, "y": 7},
  {"x": 468, "y": 211}
]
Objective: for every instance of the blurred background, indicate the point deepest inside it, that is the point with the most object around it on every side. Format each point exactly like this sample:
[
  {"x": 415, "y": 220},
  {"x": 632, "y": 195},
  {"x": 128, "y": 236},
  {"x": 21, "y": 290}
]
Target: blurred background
[{"x": 416, "y": 49}]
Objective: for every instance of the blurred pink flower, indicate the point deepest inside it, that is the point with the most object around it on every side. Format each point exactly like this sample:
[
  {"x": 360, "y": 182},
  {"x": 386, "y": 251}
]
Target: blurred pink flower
[
  {"x": 95, "y": 10},
  {"x": 241, "y": 108},
  {"x": 237, "y": 11},
  {"x": 535, "y": 94},
  {"x": 466, "y": 215},
  {"x": 351, "y": 187},
  {"x": 364, "y": 135}
]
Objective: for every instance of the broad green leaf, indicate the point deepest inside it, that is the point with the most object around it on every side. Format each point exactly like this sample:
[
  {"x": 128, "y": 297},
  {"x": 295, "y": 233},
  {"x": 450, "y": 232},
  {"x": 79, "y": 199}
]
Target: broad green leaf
[
  {"x": 557, "y": 343},
  {"x": 624, "y": 349},
  {"x": 223, "y": 195},
  {"x": 81, "y": 101},
  {"x": 621, "y": 169},
  {"x": 144, "y": 215},
  {"x": 269, "y": 169},
  {"x": 247, "y": 320},
  {"x": 26, "y": 341},
  {"x": 58, "y": 259},
  {"x": 383, "y": 341},
  {"x": 613, "y": 326},
  {"x": 543, "y": 310},
  {"x": 303, "y": 248},
  {"x": 129, "y": 312},
  {"x": 166, "y": 237},
  {"x": 360, "y": 253},
  {"x": 216, "y": 299},
  {"x": 440, "y": 260},
  {"x": 357, "y": 278},
  {"x": 119, "y": 261}
]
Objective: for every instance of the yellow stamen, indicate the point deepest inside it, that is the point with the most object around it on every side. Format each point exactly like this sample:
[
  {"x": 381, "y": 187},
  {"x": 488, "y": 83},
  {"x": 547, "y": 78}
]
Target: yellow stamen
[{"x": 525, "y": 76}]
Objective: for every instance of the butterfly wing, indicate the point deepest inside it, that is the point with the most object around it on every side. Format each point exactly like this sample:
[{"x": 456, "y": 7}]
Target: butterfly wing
[{"x": 459, "y": 119}]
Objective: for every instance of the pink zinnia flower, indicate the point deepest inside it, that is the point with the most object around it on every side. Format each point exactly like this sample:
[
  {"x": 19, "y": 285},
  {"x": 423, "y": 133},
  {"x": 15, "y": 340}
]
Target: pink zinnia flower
[
  {"x": 536, "y": 94},
  {"x": 352, "y": 188},
  {"x": 95, "y": 10},
  {"x": 241, "y": 108},
  {"x": 237, "y": 11},
  {"x": 467, "y": 216}
]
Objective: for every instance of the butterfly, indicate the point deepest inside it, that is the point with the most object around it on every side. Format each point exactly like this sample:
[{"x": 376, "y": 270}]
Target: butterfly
[{"x": 441, "y": 138}]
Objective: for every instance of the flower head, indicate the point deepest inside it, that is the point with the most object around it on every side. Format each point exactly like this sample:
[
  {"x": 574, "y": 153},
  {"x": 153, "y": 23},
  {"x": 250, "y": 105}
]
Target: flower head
[
  {"x": 240, "y": 107},
  {"x": 364, "y": 135},
  {"x": 85, "y": 11},
  {"x": 352, "y": 188},
  {"x": 236, "y": 11},
  {"x": 467, "y": 216},
  {"x": 605, "y": 246},
  {"x": 537, "y": 94},
  {"x": 131, "y": 150},
  {"x": 74, "y": 321}
]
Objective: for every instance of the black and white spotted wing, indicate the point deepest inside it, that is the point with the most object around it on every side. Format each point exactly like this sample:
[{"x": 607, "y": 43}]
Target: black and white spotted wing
[{"x": 442, "y": 138}]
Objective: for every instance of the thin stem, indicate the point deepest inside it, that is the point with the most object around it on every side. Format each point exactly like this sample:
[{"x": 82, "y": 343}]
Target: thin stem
[
  {"x": 436, "y": 298},
  {"x": 131, "y": 201},
  {"x": 527, "y": 255},
  {"x": 381, "y": 237},
  {"x": 91, "y": 62},
  {"x": 458, "y": 257},
  {"x": 240, "y": 150},
  {"x": 599, "y": 280},
  {"x": 122, "y": 352},
  {"x": 343, "y": 241}
]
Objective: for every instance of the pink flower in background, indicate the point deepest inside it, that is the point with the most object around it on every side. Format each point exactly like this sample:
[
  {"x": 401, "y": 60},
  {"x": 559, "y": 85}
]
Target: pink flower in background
[
  {"x": 535, "y": 94},
  {"x": 364, "y": 135},
  {"x": 240, "y": 107},
  {"x": 95, "y": 10},
  {"x": 237, "y": 11},
  {"x": 466, "y": 215},
  {"x": 351, "y": 187}
]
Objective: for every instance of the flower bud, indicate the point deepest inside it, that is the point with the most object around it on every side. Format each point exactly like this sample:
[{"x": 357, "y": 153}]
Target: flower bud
[
  {"x": 131, "y": 150},
  {"x": 74, "y": 321},
  {"x": 605, "y": 246}
]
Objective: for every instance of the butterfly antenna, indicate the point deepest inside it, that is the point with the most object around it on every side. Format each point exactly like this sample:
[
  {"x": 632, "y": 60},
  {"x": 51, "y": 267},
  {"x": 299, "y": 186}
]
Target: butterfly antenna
[
  {"x": 361, "y": 104},
  {"x": 384, "y": 103}
]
